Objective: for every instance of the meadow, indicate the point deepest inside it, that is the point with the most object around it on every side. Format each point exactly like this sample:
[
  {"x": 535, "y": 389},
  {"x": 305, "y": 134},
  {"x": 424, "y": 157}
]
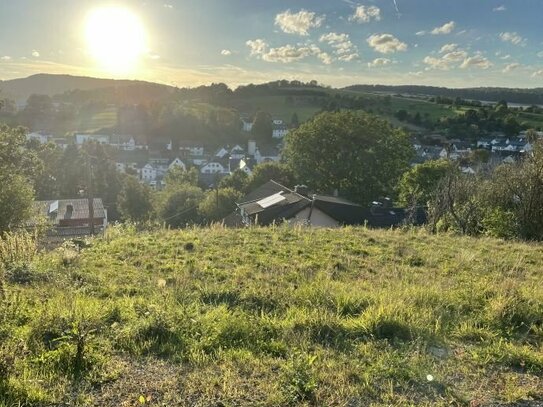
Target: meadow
[{"x": 271, "y": 317}]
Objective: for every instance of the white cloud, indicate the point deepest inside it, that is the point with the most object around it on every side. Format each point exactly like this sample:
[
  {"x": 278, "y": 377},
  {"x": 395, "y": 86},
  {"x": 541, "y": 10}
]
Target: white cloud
[
  {"x": 298, "y": 23},
  {"x": 364, "y": 14},
  {"x": 343, "y": 47},
  {"x": 226, "y": 52},
  {"x": 446, "y": 28},
  {"x": 510, "y": 67},
  {"x": 167, "y": 5},
  {"x": 379, "y": 62},
  {"x": 286, "y": 53},
  {"x": 538, "y": 74},
  {"x": 436, "y": 63},
  {"x": 386, "y": 43},
  {"x": 258, "y": 46},
  {"x": 476, "y": 61},
  {"x": 35, "y": 54},
  {"x": 6, "y": 58},
  {"x": 448, "y": 48},
  {"x": 513, "y": 38},
  {"x": 499, "y": 8}
]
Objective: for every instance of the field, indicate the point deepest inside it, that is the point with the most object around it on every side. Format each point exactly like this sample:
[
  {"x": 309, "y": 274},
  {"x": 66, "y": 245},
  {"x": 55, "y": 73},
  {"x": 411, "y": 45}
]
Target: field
[
  {"x": 272, "y": 317},
  {"x": 104, "y": 119},
  {"x": 277, "y": 107}
]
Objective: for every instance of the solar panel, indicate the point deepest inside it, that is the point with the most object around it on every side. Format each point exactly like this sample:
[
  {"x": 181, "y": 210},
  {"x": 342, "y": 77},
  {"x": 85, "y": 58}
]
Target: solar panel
[{"x": 271, "y": 200}]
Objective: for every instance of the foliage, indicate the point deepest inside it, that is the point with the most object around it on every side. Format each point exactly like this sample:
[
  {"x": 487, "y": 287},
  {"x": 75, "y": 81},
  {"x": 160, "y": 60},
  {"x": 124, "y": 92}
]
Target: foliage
[
  {"x": 288, "y": 315},
  {"x": 271, "y": 170},
  {"x": 178, "y": 176},
  {"x": 361, "y": 156},
  {"x": 262, "y": 127},
  {"x": 16, "y": 171},
  {"x": 237, "y": 180},
  {"x": 418, "y": 185},
  {"x": 177, "y": 204},
  {"x": 218, "y": 203},
  {"x": 135, "y": 200}
]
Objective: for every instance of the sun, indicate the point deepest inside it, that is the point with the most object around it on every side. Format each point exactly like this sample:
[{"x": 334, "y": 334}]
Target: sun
[{"x": 115, "y": 38}]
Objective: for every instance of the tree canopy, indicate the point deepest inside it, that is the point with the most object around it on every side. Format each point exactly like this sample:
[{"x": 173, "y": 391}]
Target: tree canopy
[{"x": 359, "y": 155}]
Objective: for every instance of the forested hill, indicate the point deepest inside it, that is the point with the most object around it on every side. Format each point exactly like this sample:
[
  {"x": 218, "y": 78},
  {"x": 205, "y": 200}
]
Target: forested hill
[
  {"x": 524, "y": 96},
  {"x": 51, "y": 85}
]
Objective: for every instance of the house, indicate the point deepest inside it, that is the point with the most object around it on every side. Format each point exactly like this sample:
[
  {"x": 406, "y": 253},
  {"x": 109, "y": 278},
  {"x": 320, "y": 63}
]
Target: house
[
  {"x": 221, "y": 153},
  {"x": 279, "y": 130},
  {"x": 176, "y": 162},
  {"x": 191, "y": 149},
  {"x": 266, "y": 154},
  {"x": 213, "y": 167},
  {"x": 237, "y": 152},
  {"x": 148, "y": 173},
  {"x": 81, "y": 139},
  {"x": 70, "y": 218},
  {"x": 40, "y": 137},
  {"x": 247, "y": 125},
  {"x": 274, "y": 203}
]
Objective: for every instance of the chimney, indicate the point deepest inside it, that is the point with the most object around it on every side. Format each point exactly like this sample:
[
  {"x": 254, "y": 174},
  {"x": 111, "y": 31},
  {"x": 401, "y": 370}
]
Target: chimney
[
  {"x": 251, "y": 147},
  {"x": 69, "y": 211}
]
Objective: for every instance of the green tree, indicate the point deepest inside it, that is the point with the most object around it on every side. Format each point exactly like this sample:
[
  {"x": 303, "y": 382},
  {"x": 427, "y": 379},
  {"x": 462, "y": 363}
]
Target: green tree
[
  {"x": 219, "y": 203},
  {"x": 178, "y": 176},
  {"x": 295, "y": 121},
  {"x": 262, "y": 127},
  {"x": 238, "y": 180},
  {"x": 17, "y": 169},
  {"x": 358, "y": 154},
  {"x": 418, "y": 185},
  {"x": 177, "y": 205},
  {"x": 134, "y": 201},
  {"x": 16, "y": 197},
  {"x": 271, "y": 170}
]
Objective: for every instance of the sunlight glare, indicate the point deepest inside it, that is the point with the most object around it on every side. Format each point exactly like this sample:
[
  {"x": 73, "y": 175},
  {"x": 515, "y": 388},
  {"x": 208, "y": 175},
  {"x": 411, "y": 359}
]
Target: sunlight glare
[{"x": 115, "y": 38}]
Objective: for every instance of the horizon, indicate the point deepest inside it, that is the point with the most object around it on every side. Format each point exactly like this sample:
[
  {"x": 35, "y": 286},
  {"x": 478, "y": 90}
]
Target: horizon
[
  {"x": 455, "y": 44},
  {"x": 266, "y": 82}
]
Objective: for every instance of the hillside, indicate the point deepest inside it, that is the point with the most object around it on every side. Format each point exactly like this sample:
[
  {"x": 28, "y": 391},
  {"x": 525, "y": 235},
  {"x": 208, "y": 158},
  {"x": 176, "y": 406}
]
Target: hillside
[
  {"x": 48, "y": 84},
  {"x": 274, "y": 317},
  {"x": 511, "y": 95}
]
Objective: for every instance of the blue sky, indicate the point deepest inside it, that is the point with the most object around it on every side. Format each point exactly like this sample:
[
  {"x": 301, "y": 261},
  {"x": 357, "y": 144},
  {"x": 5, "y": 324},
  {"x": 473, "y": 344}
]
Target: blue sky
[{"x": 455, "y": 43}]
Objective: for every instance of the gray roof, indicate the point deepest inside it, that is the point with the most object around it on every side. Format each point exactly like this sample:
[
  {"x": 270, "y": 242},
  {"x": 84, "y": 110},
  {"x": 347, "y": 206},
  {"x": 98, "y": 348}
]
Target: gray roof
[{"x": 80, "y": 209}]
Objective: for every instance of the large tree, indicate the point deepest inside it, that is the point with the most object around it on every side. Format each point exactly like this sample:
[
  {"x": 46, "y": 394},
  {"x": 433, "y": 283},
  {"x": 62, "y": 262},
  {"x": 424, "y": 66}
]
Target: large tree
[
  {"x": 134, "y": 201},
  {"x": 218, "y": 203},
  {"x": 359, "y": 155},
  {"x": 17, "y": 169},
  {"x": 419, "y": 185}
]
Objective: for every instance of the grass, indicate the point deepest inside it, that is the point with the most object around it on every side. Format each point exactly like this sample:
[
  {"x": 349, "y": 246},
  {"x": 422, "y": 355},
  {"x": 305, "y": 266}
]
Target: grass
[
  {"x": 101, "y": 120},
  {"x": 274, "y": 316},
  {"x": 278, "y": 108}
]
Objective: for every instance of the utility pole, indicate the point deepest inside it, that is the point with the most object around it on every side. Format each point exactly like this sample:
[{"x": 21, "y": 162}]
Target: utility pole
[{"x": 90, "y": 195}]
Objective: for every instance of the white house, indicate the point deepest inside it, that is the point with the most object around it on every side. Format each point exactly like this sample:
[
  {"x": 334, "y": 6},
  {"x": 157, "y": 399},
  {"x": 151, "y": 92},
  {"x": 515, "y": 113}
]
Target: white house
[
  {"x": 148, "y": 173},
  {"x": 237, "y": 152},
  {"x": 192, "y": 150},
  {"x": 279, "y": 131},
  {"x": 176, "y": 162},
  {"x": 81, "y": 139},
  {"x": 213, "y": 167},
  {"x": 221, "y": 152},
  {"x": 40, "y": 137},
  {"x": 247, "y": 125},
  {"x": 244, "y": 166}
]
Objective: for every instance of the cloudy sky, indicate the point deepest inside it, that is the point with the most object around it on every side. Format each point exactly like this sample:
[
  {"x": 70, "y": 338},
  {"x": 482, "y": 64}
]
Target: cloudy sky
[{"x": 455, "y": 43}]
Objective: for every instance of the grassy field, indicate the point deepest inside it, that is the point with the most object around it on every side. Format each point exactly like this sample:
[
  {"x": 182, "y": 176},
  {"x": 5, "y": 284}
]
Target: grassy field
[
  {"x": 277, "y": 107},
  {"x": 272, "y": 317},
  {"x": 104, "y": 119}
]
